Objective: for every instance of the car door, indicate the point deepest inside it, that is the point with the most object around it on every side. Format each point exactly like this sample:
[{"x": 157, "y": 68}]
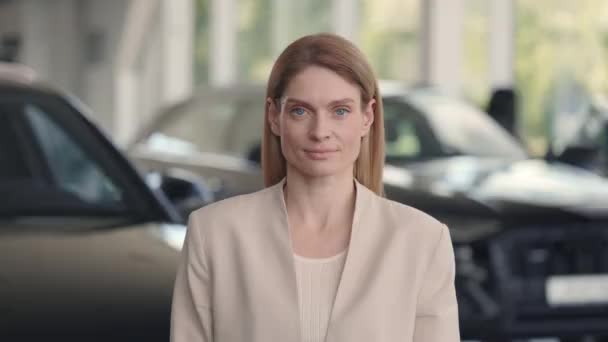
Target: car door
[{"x": 82, "y": 251}]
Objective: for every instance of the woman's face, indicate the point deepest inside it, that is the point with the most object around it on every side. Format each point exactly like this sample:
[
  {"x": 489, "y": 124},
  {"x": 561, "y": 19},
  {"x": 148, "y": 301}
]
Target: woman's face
[{"x": 320, "y": 122}]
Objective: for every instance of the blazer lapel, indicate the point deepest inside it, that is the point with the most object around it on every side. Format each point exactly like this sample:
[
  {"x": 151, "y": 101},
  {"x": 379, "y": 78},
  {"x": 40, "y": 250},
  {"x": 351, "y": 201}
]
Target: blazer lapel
[
  {"x": 350, "y": 278},
  {"x": 285, "y": 291},
  {"x": 350, "y": 273}
]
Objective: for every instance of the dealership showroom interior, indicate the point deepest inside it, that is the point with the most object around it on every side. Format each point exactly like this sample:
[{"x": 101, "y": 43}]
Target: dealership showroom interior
[{"x": 441, "y": 168}]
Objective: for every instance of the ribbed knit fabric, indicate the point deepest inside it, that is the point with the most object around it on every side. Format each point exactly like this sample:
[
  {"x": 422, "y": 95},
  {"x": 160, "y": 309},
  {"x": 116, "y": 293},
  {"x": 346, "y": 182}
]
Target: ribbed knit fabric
[{"x": 318, "y": 281}]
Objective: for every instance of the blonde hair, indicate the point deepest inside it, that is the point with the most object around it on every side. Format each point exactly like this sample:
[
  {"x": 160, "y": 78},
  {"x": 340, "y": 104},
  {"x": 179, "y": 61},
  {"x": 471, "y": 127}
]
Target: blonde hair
[{"x": 344, "y": 58}]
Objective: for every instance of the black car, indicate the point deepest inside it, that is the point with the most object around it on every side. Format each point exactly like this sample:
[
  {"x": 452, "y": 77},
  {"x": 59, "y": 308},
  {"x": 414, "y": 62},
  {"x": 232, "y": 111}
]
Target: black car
[
  {"x": 530, "y": 235},
  {"x": 88, "y": 247}
]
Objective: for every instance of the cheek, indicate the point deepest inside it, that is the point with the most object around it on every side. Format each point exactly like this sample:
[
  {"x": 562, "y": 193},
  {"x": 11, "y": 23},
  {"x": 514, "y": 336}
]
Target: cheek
[
  {"x": 289, "y": 130},
  {"x": 291, "y": 137},
  {"x": 355, "y": 144},
  {"x": 351, "y": 143},
  {"x": 351, "y": 133}
]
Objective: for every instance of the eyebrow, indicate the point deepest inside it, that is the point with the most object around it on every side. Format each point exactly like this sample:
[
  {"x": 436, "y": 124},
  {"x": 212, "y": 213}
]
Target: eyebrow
[{"x": 332, "y": 103}]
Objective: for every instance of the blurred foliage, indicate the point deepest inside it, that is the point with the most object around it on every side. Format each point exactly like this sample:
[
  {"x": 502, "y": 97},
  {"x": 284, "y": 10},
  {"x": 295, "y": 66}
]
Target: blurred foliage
[
  {"x": 254, "y": 36},
  {"x": 257, "y": 50},
  {"x": 389, "y": 36},
  {"x": 308, "y": 17},
  {"x": 475, "y": 72},
  {"x": 554, "y": 40}
]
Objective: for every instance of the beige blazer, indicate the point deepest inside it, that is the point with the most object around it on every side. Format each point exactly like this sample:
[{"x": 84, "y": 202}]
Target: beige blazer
[{"x": 237, "y": 280}]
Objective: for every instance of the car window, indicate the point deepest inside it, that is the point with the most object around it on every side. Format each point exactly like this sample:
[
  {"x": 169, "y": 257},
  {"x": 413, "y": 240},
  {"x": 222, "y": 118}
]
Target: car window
[
  {"x": 407, "y": 133},
  {"x": 12, "y": 162},
  {"x": 402, "y": 138},
  {"x": 45, "y": 171},
  {"x": 71, "y": 168},
  {"x": 463, "y": 129}
]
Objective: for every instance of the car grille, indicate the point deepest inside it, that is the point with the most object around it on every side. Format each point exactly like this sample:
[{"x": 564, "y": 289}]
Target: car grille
[{"x": 525, "y": 260}]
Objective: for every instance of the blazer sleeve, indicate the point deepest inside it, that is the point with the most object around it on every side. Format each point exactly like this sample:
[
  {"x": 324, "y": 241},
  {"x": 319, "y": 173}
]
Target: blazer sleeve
[
  {"x": 437, "y": 309},
  {"x": 191, "y": 314}
]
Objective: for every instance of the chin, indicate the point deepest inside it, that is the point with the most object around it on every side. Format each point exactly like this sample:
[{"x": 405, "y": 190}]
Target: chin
[{"x": 321, "y": 170}]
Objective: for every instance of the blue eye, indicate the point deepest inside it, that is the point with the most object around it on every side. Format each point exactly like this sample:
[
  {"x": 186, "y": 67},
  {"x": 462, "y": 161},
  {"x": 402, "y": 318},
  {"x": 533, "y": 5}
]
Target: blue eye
[
  {"x": 298, "y": 111},
  {"x": 341, "y": 111}
]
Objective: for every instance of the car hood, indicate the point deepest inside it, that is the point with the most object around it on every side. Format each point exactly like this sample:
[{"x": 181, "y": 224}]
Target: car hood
[
  {"x": 507, "y": 185},
  {"x": 89, "y": 282}
]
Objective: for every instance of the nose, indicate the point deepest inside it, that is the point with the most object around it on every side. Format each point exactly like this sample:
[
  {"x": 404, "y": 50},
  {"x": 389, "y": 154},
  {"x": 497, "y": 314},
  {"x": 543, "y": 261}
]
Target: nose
[{"x": 320, "y": 127}]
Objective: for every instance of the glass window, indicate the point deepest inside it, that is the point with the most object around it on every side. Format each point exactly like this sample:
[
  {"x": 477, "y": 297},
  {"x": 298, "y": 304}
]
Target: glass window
[
  {"x": 256, "y": 40},
  {"x": 309, "y": 17},
  {"x": 388, "y": 33},
  {"x": 476, "y": 59},
  {"x": 202, "y": 42},
  {"x": 464, "y": 129},
  {"x": 72, "y": 169},
  {"x": 402, "y": 140},
  {"x": 556, "y": 51},
  {"x": 389, "y": 36}
]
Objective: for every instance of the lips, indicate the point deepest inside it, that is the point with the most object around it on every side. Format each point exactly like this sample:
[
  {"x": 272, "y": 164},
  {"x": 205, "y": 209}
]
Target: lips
[
  {"x": 320, "y": 151},
  {"x": 319, "y": 154}
]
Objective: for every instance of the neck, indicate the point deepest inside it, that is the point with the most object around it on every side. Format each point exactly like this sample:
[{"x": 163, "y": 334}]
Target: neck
[{"x": 321, "y": 204}]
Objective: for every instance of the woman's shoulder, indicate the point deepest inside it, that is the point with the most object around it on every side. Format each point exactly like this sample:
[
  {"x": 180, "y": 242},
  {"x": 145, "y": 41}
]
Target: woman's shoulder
[
  {"x": 401, "y": 212},
  {"x": 404, "y": 217},
  {"x": 412, "y": 227},
  {"x": 237, "y": 206}
]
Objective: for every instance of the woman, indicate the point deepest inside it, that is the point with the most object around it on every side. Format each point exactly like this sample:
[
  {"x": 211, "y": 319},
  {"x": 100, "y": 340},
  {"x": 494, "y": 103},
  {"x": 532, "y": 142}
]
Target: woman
[{"x": 319, "y": 255}]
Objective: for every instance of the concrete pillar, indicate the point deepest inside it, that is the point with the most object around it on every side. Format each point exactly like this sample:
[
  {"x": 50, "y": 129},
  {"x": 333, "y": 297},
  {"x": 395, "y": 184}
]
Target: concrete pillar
[
  {"x": 501, "y": 43},
  {"x": 345, "y": 18},
  {"x": 124, "y": 122},
  {"x": 442, "y": 44},
  {"x": 151, "y": 74},
  {"x": 53, "y": 41},
  {"x": 178, "y": 49},
  {"x": 128, "y": 68},
  {"x": 223, "y": 59},
  {"x": 9, "y": 17},
  {"x": 154, "y": 63},
  {"x": 105, "y": 23}
]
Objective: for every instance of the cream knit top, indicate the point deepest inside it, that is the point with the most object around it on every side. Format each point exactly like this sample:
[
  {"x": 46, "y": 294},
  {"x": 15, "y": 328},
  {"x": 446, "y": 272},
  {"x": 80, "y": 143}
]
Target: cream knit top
[{"x": 318, "y": 280}]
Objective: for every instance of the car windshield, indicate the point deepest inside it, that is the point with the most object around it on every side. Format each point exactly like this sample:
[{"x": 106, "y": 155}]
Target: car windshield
[
  {"x": 226, "y": 121},
  {"x": 463, "y": 129},
  {"x": 45, "y": 171}
]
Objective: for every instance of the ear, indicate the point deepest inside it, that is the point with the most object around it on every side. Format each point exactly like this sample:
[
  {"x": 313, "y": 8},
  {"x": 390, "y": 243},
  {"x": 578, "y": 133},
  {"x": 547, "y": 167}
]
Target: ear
[
  {"x": 368, "y": 117},
  {"x": 273, "y": 116}
]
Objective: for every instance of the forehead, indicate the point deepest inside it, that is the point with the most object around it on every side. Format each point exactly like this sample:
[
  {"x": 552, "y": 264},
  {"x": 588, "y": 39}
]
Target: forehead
[{"x": 320, "y": 85}]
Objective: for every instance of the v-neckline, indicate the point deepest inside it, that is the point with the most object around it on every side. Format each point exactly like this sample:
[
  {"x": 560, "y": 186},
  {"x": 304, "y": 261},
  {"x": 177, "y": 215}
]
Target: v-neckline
[{"x": 348, "y": 262}]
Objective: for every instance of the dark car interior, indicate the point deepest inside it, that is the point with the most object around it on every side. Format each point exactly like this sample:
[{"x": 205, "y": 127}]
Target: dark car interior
[
  {"x": 51, "y": 164},
  {"x": 27, "y": 174}
]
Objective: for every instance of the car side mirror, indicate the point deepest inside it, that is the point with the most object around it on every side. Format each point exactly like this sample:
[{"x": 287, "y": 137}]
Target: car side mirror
[
  {"x": 185, "y": 191},
  {"x": 586, "y": 157}
]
